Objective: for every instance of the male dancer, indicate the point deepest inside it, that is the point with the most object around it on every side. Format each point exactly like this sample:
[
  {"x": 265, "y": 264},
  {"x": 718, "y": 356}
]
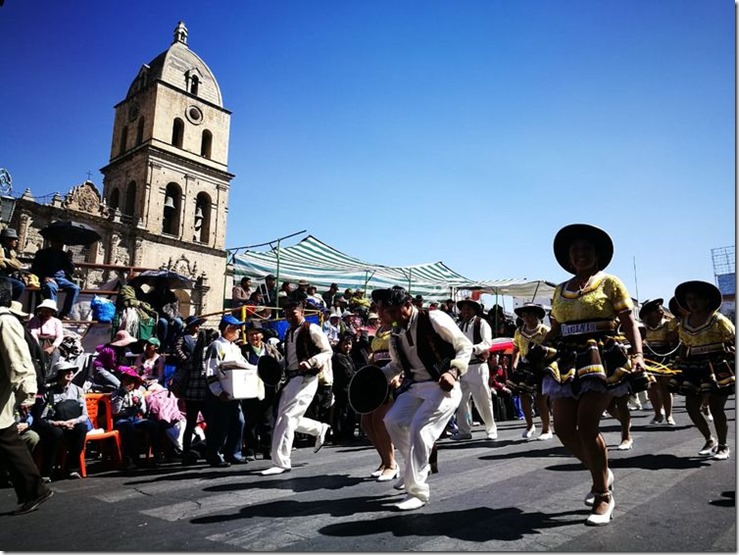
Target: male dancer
[
  {"x": 307, "y": 354},
  {"x": 474, "y": 382},
  {"x": 431, "y": 352}
]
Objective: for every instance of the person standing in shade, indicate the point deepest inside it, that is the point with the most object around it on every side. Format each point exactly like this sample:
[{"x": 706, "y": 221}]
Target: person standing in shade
[
  {"x": 307, "y": 354},
  {"x": 431, "y": 353},
  {"x": 475, "y": 382}
]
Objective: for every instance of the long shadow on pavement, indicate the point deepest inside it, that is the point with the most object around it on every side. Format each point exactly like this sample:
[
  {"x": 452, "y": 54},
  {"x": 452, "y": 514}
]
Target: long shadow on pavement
[
  {"x": 553, "y": 451},
  {"x": 297, "y": 484},
  {"x": 645, "y": 462},
  {"x": 729, "y": 499},
  {"x": 481, "y": 524}
]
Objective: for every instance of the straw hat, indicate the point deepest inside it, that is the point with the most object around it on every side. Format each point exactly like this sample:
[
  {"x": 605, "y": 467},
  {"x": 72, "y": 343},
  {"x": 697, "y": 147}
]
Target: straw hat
[
  {"x": 531, "y": 307},
  {"x": 122, "y": 338},
  {"x": 648, "y": 306},
  {"x": 701, "y": 288}
]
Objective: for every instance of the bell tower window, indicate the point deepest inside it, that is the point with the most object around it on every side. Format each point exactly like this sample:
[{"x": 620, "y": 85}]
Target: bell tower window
[
  {"x": 124, "y": 140},
  {"x": 194, "y": 84},
  {"x": 202, "y": 218},
  {"x": 140, "y": 131},
  {"x": 130, "y": 207},
  {"x": 178, "y": 132},
  {"x": 171, "y": 215},
  {"x": 114, "y": 200},
  {"x": 206, "y": 144}
]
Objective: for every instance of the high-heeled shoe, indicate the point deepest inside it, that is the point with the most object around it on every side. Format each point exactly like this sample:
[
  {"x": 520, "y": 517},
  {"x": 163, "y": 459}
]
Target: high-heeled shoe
[
  {"x": 595, "y": 519},
  {"x": 377, "y": 472},
  {"x": 389, "y": 474},
  {"x": 590, "y": 497}
]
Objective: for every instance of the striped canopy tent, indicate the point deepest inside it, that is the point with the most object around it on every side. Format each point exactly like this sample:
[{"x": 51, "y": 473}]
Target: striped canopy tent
[{"x": 321, "y": 265}]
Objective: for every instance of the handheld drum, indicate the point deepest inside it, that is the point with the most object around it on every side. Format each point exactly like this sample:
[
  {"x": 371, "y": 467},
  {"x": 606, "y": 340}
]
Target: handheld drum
[{"x": 368, "y": 389}]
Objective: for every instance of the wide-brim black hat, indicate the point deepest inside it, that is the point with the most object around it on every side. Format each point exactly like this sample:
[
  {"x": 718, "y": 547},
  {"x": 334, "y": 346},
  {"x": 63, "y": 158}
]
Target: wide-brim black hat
[
  {"x": 674, "y": 307},
  {"x": 702, "y": 288},
  {"x": 477, "y": 307},
  {"x": 531, "y": 307},
  {"x": 649, "y": 306},
  {"x": 595, "y": 235}
]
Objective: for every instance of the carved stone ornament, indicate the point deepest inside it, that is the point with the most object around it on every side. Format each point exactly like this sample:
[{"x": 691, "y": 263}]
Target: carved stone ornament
[
  {"x": 183, "y": 266},
  {"x": 84, "y": 198}
]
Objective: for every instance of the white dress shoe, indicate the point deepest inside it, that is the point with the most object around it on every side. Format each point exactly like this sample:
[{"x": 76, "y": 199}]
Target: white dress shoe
[
  {"x": 722, "y": 453},
  {"x": 321, "y": 437},
  {"x": 399, "y": 483},
  {"x": 625, "y": 445},
  {"x": 272, "y": 471},
  {"x": 709, "y": 448},
  {"x": 492, "y": 435},
  {"x": 389, "y": 474},
  {"x": 546, "y": 435},
  {"x": 410, "y": 503},
  {"x": 527, "y": 434},
  {"x": 601, "y": 520},
  {"x": 377, "y": 472},
  {"x": 590, "y": 497}
]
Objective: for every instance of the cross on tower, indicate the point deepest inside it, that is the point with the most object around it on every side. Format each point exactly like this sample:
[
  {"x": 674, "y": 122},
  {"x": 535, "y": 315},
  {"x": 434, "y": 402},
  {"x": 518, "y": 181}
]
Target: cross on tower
[{"x": 89, "y": 175}]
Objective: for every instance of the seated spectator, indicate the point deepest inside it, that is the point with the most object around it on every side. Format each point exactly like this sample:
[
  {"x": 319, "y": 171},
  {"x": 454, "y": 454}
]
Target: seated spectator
[
  {"x": 418, "y": 301},
  {"x": 130, "y": 415},
  {"x": 241, "y": 292},
  {"x": 62, "y": 420},
  {"x": 150, "y": 365},
  {"x": 359, "y": 304},
  {"x": 341, "y": 304},
  {"x": 54, "y": 268},
  {"x": 135, "y": 313},
  {"x": 48, "y": 332},
  {"x": 301, "y": 292},
  {"x": 332, "y": 328},
  {"x": 372, "y": 325},
  {"x": 169, "y": 325},
  {"x": 10, "y": 266},
  {"x": 328, "y": 296},
  {"x": 252, "y": 307},
  {"x": 314, "y": 298},
  {"x": 111, "y": 357}
]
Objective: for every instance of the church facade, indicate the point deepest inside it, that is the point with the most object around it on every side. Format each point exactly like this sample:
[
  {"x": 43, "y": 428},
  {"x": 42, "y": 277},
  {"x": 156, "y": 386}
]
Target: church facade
[{"x": 164, "y": 199}]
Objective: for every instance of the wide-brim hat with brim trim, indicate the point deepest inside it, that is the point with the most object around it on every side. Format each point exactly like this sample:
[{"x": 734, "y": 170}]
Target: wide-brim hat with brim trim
[
  {"x": 192, "y": 321},
  {"x": 702, "y": 288},
  {"x": 122, "y": 339},
  {"x": 477, "y": 307},
  {"x": 648, "y": 306},
  {"x": 59, "y": 367},
  {"x": 531, "y": 307},
  {"x": 595, "y": 235},
  {"x": 48, "y": 303},
  {"x": 130, "y": 372}
]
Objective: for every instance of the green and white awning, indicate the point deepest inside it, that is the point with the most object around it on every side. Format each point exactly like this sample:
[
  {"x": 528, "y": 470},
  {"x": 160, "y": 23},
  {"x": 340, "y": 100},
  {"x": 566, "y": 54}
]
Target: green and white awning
[{"x": 321, "y": 265}]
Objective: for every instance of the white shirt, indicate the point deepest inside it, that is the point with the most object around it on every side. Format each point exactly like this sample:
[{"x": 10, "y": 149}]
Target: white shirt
[
  {"x": 486, "y": 335},
  {"x": 320, "y": 361},
  {"x": 442, "y": 324},
  {"x": 222, "y": 350}
]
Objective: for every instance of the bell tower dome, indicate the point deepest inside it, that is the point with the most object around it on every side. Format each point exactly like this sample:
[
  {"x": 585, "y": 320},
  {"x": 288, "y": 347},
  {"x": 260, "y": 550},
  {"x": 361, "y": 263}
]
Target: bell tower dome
[
  {"x": 168, "y": 168},
  {"x": 166, "y": 184}
]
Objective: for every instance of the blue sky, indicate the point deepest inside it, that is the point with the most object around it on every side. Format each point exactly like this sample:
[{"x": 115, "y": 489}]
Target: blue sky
[{"x": 414, "y": 131}]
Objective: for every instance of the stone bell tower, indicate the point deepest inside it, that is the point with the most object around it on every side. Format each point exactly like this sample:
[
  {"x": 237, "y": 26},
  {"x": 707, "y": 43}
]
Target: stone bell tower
[{"x": 167, "y": 181}]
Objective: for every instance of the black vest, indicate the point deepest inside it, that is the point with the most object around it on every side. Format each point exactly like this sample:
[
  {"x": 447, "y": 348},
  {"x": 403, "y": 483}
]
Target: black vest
[{"x": 435, "y": 353}]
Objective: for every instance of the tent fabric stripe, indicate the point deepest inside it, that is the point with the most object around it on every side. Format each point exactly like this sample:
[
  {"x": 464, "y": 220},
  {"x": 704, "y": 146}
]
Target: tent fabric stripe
[{"x": 321, "y": 265}]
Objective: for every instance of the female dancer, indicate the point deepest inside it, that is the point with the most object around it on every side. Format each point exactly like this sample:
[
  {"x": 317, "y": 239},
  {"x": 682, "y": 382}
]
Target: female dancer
[
  {"x": 525, "y": 380},
  {"x": 660, "y": 343},
  {"x": 706, "y": 360},
  {"x": 372, "y": 423},
  {"x": 590, "y": 364}
]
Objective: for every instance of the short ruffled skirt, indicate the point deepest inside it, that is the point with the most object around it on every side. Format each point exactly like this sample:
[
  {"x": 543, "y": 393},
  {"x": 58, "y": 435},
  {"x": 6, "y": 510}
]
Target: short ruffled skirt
[
  {"x": 526, "y": 379},
  {"x": 593, "y": 362},
  {"x": 710, "y": 375}
]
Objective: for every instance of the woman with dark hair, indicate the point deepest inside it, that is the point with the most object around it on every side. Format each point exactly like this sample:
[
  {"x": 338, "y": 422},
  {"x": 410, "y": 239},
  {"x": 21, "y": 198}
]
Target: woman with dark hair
[
  {"x": 590, "y": 363},
  {"x": 189, "y": 355},
  {"x": 706, "y": 360}
]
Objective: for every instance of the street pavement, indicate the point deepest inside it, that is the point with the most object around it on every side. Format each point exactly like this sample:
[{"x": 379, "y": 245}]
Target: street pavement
[{"x": 504, "y": 495}]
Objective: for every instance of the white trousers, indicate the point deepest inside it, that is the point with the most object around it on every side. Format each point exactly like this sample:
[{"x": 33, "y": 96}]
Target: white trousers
[
  {"x": 294, "y": 401},
  {"x": 474, "y": 384},
  {"x": 415, "y": 422}
]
